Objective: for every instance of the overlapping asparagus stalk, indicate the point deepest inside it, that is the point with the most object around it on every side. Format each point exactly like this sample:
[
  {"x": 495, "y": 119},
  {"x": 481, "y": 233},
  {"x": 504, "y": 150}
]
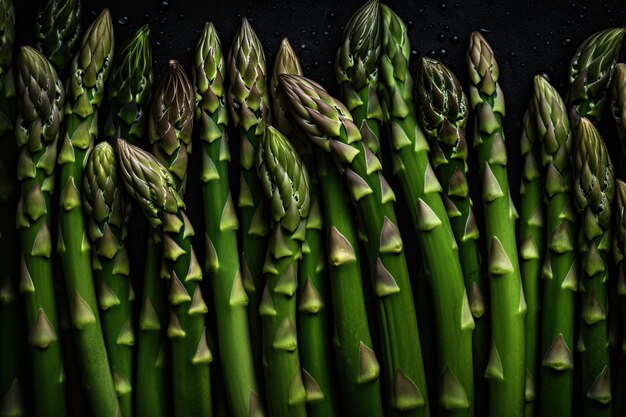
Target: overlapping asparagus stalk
[
  {"x": 443, "y": 112},
  {"x": 89, "y": 69},
  {"x": 286, "y": 62},
  {"x": 560, "y": 266},
  {"x": 286, "y": 184},
  {"x": 590, "y": 73},
  {"x": 505, "y": 369},
  {"x": 593, "y": 192},
  {"x": 107, "y": 212},
  {"x": 221, "y": 224},
  {"x": 619, "y": 252},
  {"x": 356, "y": 69},
  {"x": 248, "y": 101},
  {"x": 38, "y": 124},
  {"x": 58, "y": 30},
  {"x": 618, "y": 103},
  {"x": 329, "y": 125},
  {"x": 422, "y": 191}
]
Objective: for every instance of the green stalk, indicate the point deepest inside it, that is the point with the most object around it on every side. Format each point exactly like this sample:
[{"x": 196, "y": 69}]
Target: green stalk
[
  {"x": 130, "y": 88},
  {"x": 154, "y": 188},
  {"x": 505, "y": 369},
  {"x": 590, "y": 72},
  {"x": 329, "y": 125},
  {"x": 248, "y": 101},
  {"x": 41, "y": 104},
  {"x": 422, "y": 191},
  {"x": 594, "y": 187},
  {"x": 58, "y": 30},
  {"x": 286, "y": 185},
  {"x": 107, "y": 211},
  {"x": 90, "y": 69},
  {"x": 560, "y": 266},
  {"x": 443, "y": 112},
  {"x": 618, "y": 103},
  {"x": 619, "y": 252},
  {"x": 356, "y": 69},
  {"x": 222, "y": 266}
]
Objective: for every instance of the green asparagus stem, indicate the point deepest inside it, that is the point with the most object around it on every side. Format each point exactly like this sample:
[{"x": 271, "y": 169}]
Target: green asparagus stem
[
  {"x": 594, "y": 187},
  {"x": 329, "y": 125},
  {"x": 618, "y": 103},
  {"x": 89, "y": 70},
  {"x": 154, "y": 188},
  {"x": 619, "y": 252},
  {"x": 443, "y": 112},
  {"x": 505, "y": 370},
  {"x": 356, "y": 69},
  {"x": 422, "y": 191},
  {"x": 560, "y": 267},
  {"x": 531, "y": 247},
  {"x": 107, "y": 211},
  {"x": 286, "y": 62},
  {"x": 285, "y": 181},
  {"x": 590, "y": 73},
  {"x": 221, "y": 224},
  {"x": 58, "y": 30},
  {"x": 38, "y": 124},
  {"x": 248, "y": 101},
  {"x": 130, "y": 88}
]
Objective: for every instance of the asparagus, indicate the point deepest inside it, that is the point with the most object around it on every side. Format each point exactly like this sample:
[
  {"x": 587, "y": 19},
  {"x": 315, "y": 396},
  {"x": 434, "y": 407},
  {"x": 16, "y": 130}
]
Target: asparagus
[
  {"x": 560, "y": 268},
  {"x": 443, "y": 112},
  {"x": 221, "y": 222},
  {"x": 593, "y": 195},
  {"x": 505, "y": 369},
  {"x": 356, "y": 69},
  {"x": 248, "y": 101},
  {"x": 328, "y": 124},
  {"x": 286, "y": 184},
  {"x": 154, "y": 188},
  {"x": 590, "y": 73},
  {"x": 619, "y": 249},
  {"x": 58, "y": 30},
  {"x": 531, "y": 245},
  {"x": 107, "y": 211},
  {"x": 618, "y": 103},
  {"x": 286, "y": 62},
  {"x": 89, "y": 70},
  {"x": 11, "y": 384},
  {"x": 130, "y": 88},
  {"x": 38, "y": 124},
  {"x": 454, "y": 321}
]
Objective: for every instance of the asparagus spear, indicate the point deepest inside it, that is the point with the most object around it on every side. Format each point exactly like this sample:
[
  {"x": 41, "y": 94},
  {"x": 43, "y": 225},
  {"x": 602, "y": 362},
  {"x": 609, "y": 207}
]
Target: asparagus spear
[
  {"x": 590, "y": 73},
  {"x": 107, "y": 212},
  {"x": 618, "y": 103},
  {"x": 89, "y": 70},
  {"x": 356, "y": 69},
  {"x": 154, "y": 188},
  {"x": 560, "y": 268},
  {"x": 286, "y": 184},
  {"x": 454, "y": 321},
  {"x": 328, "y": 124},
  {"x": 443, "y": 112},
  {"x": 41, "y": 102},
  {"x": 248, "y": 101},
  {"x": 58, "y": 30},
  {"x": 619, "y": 250},
  {"x": 130, "y": 88},
  {"x": 221, "y": 224},
  {"x": 505, "y": 369},
  {"x": 593, "y": 195},
  {"x": 286, "y": 62}
]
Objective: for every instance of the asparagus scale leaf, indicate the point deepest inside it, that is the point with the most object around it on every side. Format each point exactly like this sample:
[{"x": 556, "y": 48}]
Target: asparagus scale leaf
[
  {"x": 58, "y": 30},
  {"x": 618, "y": 103}
]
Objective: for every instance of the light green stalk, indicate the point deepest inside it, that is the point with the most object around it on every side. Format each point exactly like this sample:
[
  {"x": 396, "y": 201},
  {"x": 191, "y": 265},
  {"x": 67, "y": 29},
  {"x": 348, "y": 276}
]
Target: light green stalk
[
  {"x": 560, "y": 266},
  {"x": 594, "y": 187},
  {"x": 248, "y": 101},
  {"x": 422, "y": 191},
  {"x": 329, "y": 125},
  {"x": 58, "y": 30},
  {"x": 38, "y": 127},
  {"x": 505, "y": 369},
  {"x": 356, "y": 69},
  {"x": 107, "y": 210},
  {"x": 221, "y": 224},
  {"x": 154, "y": 188},
  {"x": 286, "y": 185},
  {"x": 89, "y": 70}
]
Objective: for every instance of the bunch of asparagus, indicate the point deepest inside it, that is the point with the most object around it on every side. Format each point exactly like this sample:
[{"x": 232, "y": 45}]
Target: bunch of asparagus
[{"x": 305, "y": 303}]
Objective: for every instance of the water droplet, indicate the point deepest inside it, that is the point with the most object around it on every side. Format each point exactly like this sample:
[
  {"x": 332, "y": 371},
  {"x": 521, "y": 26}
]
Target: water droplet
[
  {"x": 442, "y": 53},
  {"x": 122, "y": 20},
  {"x": 566, "y": 41},
  {"x": 432, "y": 53},
  {"x": 446, "y": 28},
  {"x": 410, "y": 23},
  {"x": 421, "y": 11},
  {"x": 316, "y": 64},
  {"x": 443, "y": 6},
  {"x": 547, "y": 43},
  {"x": 313, "y": 34},
  {"x": 441, "y": 37},
  {"x": 303, "y": 46},
  {"x": 414, "y": 52},
  {"x": 331, "y": 14},
  {"x": 484, "y": 31},
  {"x": 454, "y": 40},
  {"x": 545, "y": 75},
  {"x": 316, "y": 42},
  {"x": 164, "y": 6}
]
